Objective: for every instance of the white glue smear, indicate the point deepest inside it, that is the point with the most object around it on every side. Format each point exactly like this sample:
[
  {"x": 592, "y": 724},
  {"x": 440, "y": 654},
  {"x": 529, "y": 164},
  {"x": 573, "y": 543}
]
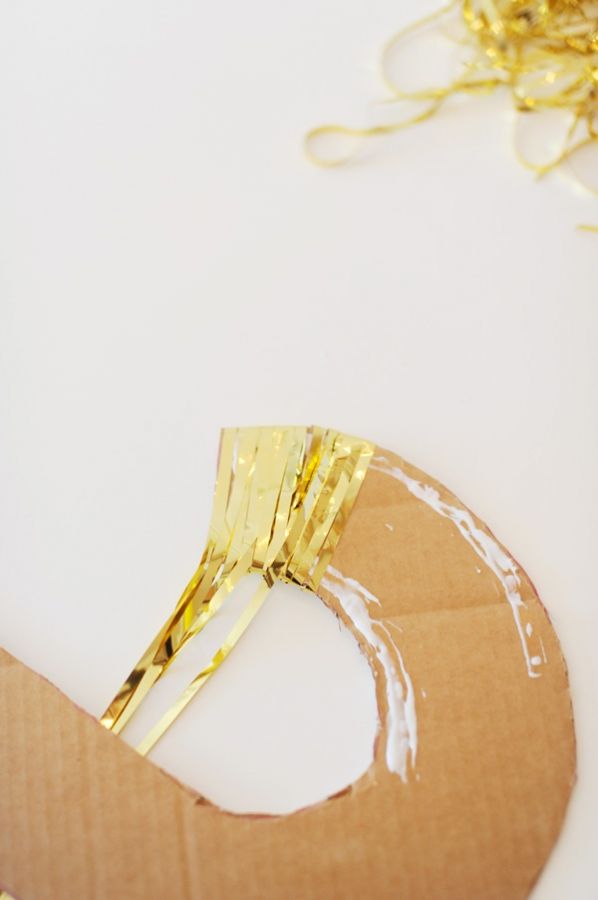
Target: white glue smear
[
  {"x": 486, "y": 547},
  {"x": 401, "y": 725}
]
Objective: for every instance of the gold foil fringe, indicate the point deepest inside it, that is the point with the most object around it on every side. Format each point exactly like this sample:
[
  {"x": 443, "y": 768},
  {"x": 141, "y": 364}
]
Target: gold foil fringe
[
  {"x": 544, "y": 52},
  {"x": 282, "y": 499}
]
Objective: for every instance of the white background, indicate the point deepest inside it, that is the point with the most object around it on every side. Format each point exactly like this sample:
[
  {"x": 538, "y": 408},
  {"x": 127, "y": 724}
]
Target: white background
[{"x": 170, "y": 263}]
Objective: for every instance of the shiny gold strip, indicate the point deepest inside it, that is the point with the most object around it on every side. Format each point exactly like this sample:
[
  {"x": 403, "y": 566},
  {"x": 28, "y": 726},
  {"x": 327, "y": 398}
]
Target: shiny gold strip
[
  {"x": 211, "y": 580},
  {"x": 231, "y": 640},
  {"x": 282, "y": 498}
]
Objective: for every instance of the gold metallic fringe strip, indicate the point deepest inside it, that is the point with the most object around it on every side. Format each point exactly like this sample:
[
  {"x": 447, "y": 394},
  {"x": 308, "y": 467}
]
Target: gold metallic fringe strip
[
  {"x": 545, "y": 52},
  {"x": 283, "y": 496}
]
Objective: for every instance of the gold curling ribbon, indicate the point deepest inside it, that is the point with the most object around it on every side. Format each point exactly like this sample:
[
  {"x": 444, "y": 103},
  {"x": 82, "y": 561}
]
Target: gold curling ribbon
[
  {"x": 282, "y": 499},
  {"x": 545, "y": 52}
]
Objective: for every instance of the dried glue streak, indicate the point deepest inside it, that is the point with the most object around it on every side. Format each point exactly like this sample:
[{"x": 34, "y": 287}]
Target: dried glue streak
[
  {"x": 401, "y": 724},
  {"x": 485, "y": 546}
]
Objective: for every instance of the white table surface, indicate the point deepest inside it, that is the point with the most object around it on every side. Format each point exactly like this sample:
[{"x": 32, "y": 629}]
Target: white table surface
[{"x": 170, "y": 263}]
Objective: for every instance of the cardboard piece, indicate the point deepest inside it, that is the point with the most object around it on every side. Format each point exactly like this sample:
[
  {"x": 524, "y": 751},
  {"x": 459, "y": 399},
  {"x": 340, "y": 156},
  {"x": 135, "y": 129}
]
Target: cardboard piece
[{"x": 482, "y": 799}]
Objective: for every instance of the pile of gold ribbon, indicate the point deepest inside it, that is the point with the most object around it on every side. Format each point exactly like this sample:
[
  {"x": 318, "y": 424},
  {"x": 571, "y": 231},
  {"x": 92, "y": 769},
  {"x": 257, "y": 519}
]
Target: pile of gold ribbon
[{"x": 544, "y": 52}]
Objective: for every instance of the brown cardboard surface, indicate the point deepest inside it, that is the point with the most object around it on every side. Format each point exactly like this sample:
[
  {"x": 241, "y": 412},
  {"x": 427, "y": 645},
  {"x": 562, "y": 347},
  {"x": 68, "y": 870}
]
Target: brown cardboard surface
[{"x": 82, "y": 815}]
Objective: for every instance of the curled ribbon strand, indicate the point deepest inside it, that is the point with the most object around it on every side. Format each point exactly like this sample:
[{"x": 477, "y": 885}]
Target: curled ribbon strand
[{"x": 544, "y": 52}]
